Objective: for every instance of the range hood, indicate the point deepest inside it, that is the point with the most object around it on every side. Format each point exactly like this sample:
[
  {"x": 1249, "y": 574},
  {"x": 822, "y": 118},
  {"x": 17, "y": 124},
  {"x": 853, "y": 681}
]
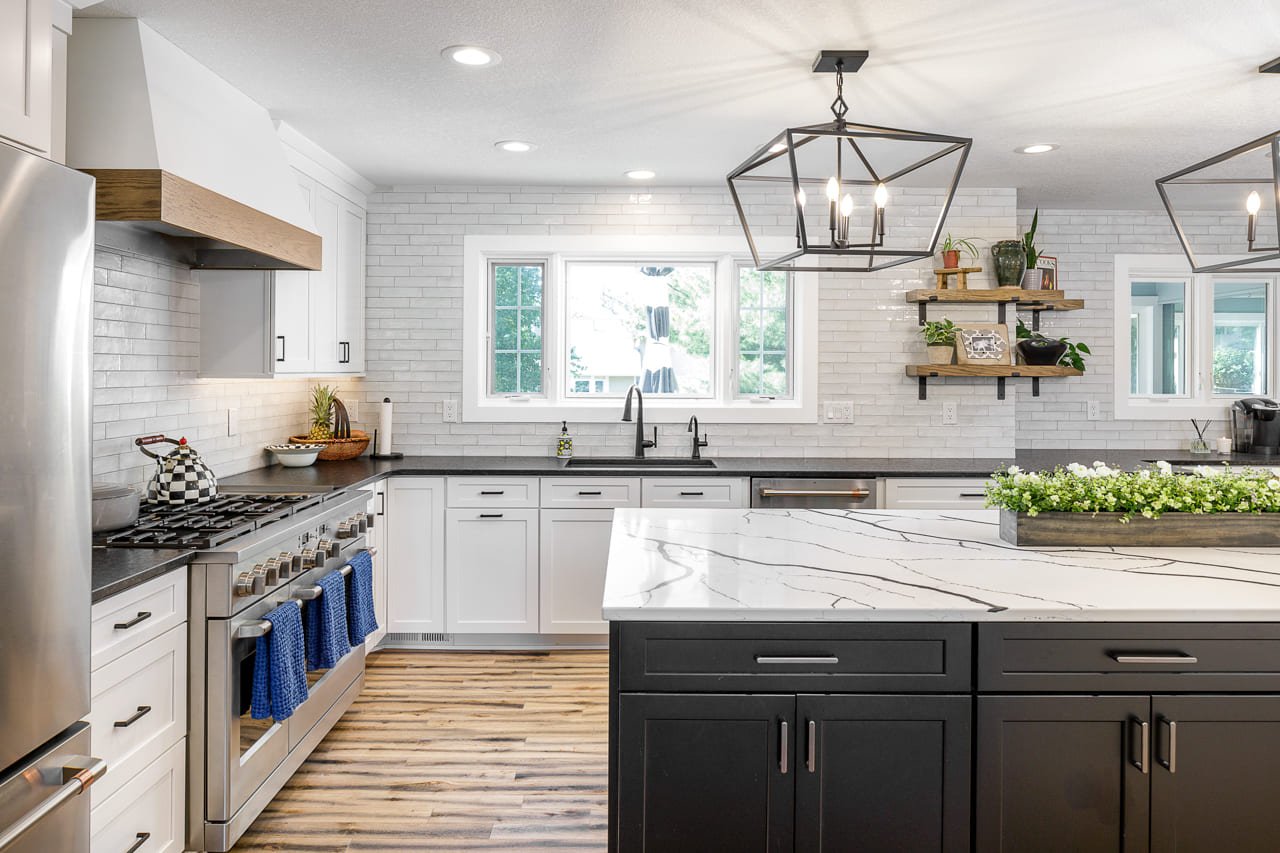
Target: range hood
[{"x": 178, "y": 150}]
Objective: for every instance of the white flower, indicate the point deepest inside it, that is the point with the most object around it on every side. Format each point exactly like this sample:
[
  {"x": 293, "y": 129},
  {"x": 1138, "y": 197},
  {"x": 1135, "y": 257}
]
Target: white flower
[
  {"x": 1204, "y": 471},
  {"x": 1273, "y": 484},
  {"x": 1164, "y": 467},
  {"x": 1014, "y": 469},
  {"x": 1078, "y": 469},
  {"x": 1099, "y": 464},
  {"x": 1144, "y": 474}
]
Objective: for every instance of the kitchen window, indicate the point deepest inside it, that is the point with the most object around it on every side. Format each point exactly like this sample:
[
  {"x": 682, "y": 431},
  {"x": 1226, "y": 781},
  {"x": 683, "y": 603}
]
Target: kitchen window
[
  {"x": 558, "y": 328},
  {"x": 1187, "y": 345}
]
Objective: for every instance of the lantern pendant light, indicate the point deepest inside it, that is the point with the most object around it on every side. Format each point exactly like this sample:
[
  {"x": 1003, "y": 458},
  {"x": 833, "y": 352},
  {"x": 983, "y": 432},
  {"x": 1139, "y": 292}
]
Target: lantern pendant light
[{"x": 857, "y": 169}]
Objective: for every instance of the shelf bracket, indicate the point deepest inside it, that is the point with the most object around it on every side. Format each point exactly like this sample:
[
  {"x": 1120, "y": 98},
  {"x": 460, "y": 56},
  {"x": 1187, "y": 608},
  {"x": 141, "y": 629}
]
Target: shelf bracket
[
  {"x": 1035, "y": 386},
  {"x": 1000, "y": 387},
  {"x": 924, "y": 313},
  {"x": 924, "y": 385},
  {"x": 1000, "y": 313},
  {"x": 1035, "y": 321}
]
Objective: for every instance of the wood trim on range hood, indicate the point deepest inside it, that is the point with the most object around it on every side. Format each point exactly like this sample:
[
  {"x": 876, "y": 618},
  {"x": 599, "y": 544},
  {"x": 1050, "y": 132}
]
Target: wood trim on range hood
[{"x": 236, "y": 236}]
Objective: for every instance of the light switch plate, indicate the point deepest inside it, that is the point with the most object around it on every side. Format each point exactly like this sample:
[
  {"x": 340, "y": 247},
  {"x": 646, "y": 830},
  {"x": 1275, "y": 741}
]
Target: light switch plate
[
  {"x": 451, "y": 411},
  {"x": 838, "y": 411},
  {"x": 233, "y": 421},
  {"x": 950, "y": 413}
]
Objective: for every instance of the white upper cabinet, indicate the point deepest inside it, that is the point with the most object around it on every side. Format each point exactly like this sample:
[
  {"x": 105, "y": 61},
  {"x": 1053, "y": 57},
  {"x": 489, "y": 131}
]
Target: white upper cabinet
[{"x": 26, "y": 73}]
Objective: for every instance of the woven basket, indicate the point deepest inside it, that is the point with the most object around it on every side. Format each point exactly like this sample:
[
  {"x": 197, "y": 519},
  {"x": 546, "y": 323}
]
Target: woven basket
[{"x": 337, "y": 449}]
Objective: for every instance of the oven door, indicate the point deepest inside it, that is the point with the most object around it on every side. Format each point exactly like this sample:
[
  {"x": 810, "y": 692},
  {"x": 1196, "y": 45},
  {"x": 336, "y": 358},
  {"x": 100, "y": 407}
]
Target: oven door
[{"x": 241, "y": 752}]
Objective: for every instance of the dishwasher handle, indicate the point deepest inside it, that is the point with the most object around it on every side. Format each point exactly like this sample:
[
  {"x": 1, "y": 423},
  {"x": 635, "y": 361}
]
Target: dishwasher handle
[{"x": 766, "y": 492}]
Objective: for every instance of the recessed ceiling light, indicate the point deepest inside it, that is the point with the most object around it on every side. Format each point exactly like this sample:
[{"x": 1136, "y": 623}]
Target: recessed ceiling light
[
  {"x": 641, "y": 174},
  {"x": 515, "y": 146},
  {"x": 1038, "y": 148},
  {"x": 469, "y": 54}
]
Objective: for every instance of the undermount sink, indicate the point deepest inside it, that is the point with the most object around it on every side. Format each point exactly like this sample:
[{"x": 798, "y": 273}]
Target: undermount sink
[{"x": 616, "y": 463}]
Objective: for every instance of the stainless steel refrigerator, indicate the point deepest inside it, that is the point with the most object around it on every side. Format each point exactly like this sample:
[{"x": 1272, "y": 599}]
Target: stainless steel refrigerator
[{"x": 46, "y": 308}]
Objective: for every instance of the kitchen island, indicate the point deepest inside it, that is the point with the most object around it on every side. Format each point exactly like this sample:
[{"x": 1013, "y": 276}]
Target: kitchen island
[{"x": 878, "y": 680}]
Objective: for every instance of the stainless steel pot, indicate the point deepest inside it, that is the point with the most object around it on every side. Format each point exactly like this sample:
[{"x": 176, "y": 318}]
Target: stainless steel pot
[{"x": 114, "y": 506}]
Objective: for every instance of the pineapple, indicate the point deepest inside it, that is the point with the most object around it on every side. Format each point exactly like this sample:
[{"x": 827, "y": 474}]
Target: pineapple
[{"x": 322, "y": 397}]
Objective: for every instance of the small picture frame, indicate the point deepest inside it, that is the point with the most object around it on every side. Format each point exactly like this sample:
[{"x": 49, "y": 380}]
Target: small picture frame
[
  {"x": 986, "y": 343},
  {"x": 1048, "y": 266}
]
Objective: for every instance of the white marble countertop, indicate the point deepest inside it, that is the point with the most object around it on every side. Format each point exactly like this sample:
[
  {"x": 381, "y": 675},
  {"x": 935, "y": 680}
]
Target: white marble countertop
[{"x": 944, "y": 565}]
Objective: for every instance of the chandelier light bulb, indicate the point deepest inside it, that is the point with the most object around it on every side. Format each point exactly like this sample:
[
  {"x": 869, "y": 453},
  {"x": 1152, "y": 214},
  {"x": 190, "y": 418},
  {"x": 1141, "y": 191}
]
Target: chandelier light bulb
[
  {"x": 882, "y": 196},
  {"x": 1253, "y": 203},
  {"x": 833, "y": 189},
  {"x": 846, "y": 205}
]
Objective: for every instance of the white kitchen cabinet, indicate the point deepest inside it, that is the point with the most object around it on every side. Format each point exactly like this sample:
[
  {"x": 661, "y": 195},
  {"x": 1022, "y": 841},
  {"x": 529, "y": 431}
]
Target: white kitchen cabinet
[
  {"x": 291, "y": 322},
  {"x": 148, "y": 812},
  {"x": 695, "y": 492},
  {"x": 375, "y": 540},
  {"x": 574, "y": 550},
  {"x": 491, "y": 570},
  {"x": 934, "y": 493},
  {"x": 26, "y": 73},
  {"x": 414, "y": 536}
]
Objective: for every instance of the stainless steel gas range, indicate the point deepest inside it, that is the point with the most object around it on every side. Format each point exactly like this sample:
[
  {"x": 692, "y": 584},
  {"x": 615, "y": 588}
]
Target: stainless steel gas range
[{"x": 257, "y": 551}]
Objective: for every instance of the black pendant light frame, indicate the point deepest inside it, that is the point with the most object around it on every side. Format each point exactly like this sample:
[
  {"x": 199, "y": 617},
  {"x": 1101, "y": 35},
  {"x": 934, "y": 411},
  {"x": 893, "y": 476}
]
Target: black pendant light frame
[
  {"x": 877, "y": 257},
  {"x": 1180, "y": 178}
]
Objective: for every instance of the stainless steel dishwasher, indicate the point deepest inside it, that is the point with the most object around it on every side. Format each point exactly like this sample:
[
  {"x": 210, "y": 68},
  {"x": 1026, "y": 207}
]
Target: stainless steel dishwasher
[{"x": 824, "y": 493}]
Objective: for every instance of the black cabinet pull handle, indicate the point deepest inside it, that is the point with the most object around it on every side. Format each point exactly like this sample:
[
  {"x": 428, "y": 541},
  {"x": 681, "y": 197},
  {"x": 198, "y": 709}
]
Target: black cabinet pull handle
[
  {"x": 588, "y": 493},
  {"x": 382, "y": 503},
  {"x": 690, "y": 494},
  {"x": 499, "y": 492},
  {"x": 279, "y": 338},
  {"x": 345, "y": 358},
  {"x": 142, "y": 838},
  {"x": 783, "y": 756},
  {"x": 142, "y": 711},
  {"x": 973, "y": 494},
  {"x": 811, "y": 760},
  {"x": 143, "y": 615},
  {"x": 491, "y": 515},
  {"x": 1170, "y": 763}
]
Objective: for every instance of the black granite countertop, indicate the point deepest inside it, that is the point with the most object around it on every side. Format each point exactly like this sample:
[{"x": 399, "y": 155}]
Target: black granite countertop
[
  {"x": 358, "y": 472},
  {"x": 118, "y": 569}
]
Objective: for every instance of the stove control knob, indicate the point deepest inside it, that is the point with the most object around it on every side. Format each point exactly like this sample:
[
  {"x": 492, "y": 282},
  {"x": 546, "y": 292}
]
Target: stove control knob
[
  {"x": 271, "y": 570},
  {"x": 311, "y": 559},
  {"x": 362, "y": 522},
  {"x": 286, "y": 565},
  {"x": 347, "y": 530},
  {"x": 329, "y": 547},
  {"x": 299, "y": 564},
  {"x": 250, "y": 583}
]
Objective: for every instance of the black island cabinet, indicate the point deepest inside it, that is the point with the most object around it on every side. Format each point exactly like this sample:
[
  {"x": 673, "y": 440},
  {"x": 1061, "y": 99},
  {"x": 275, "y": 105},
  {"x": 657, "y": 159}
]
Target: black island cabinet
[{"x": 1008, "y": 737}]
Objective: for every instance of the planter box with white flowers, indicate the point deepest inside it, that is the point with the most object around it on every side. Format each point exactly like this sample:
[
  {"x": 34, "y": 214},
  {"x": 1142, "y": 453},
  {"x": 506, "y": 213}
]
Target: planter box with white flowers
[{"x": 1100, "y": 505}]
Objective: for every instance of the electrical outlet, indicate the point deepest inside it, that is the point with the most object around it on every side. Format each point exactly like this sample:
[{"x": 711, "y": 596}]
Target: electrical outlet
[
  {"x": 451, "y": 411},
  {"x": 1095, "y": 410},
  {"x": 233, "y": 421},
  {"x": 950, "y": 413},
  {"x": 838, "y": 411},
  {"x": 353, "y": 410}
]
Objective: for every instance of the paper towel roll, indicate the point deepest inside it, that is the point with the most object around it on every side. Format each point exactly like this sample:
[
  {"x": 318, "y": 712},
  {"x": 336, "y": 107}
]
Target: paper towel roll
[{"x": 384, "y": 428}]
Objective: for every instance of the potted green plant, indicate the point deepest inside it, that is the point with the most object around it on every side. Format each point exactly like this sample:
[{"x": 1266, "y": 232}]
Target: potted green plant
[
  {"x": 1031, "y": 276},
  {"x": 940, "y": 340},
  {"x": 951, "y": 249},
  {"x": 1037, "y": 348}
]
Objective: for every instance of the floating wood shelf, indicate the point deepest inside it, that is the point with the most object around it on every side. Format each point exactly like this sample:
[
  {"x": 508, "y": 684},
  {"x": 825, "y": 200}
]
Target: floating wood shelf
[
  {"x": 1035, "y": 372},
  {"x": 1023, "y": 300}
]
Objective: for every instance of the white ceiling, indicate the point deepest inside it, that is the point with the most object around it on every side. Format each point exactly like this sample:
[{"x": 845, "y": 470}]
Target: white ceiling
[{"x": 1131, "y": 89}]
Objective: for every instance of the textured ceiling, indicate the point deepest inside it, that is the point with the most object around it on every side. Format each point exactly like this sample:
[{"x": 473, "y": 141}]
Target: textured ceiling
[{"x": 1131, "y": 89}]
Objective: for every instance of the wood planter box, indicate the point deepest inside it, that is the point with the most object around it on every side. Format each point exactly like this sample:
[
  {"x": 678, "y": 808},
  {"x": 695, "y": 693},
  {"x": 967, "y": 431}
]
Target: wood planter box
[{"x": 1171, "y": 530}]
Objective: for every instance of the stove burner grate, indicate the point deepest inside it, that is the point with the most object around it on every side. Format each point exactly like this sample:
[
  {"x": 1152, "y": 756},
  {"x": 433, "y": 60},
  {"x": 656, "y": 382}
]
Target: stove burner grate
[{"x": 206, "y": 525}]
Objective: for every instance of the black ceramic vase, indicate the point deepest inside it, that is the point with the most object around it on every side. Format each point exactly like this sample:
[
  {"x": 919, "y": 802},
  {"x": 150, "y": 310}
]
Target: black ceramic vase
[{"x": 1041, "y": 350}]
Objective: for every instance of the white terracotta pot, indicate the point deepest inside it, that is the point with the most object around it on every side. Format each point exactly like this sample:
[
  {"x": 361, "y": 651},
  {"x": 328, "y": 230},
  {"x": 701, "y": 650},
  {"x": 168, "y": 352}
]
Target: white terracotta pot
[{"x": 1031, "y": 279}]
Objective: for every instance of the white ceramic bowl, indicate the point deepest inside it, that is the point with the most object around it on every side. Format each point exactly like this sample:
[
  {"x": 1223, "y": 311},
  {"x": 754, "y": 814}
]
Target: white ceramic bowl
[{"x": 296, "y": 455}]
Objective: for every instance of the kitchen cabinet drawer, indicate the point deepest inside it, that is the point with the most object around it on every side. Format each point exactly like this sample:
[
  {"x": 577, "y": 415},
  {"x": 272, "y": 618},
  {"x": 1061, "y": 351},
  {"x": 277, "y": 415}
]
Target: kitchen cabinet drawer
[
  {"x": 590, "y": 492},
  {"x": 1123, "y": 657},
  {"x": 124, "y": 622},
  {"x": 139, "y": 708},
  {"x": 465, "y": 492},
  {"x": 934, "y": 493},
  {"x": 795, "y": 657},
  {"x": 148, "y": 811},
  {"x": 705, "y": 492}
]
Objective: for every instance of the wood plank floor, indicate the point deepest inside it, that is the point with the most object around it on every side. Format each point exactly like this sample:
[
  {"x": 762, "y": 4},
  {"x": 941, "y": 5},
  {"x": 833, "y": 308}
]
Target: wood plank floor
[{"x": 455, "y": 751}]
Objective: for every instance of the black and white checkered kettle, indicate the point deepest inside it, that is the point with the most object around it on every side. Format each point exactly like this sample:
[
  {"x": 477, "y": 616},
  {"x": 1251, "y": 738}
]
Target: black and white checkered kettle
[{"x": 181, "y": 476}]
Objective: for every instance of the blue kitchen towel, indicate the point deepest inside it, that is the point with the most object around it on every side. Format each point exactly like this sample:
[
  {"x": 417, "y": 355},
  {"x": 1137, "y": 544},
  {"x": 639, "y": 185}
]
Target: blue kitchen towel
[
  {"x": 280, "y": 666},
  {"x": 361, "y": 620},
  {"x": 327, "y": 623}
]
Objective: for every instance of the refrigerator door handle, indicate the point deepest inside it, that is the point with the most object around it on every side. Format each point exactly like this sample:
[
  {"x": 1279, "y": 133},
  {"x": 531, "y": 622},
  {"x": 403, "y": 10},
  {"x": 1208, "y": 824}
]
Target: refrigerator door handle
[{"x": 78, "y": 773}]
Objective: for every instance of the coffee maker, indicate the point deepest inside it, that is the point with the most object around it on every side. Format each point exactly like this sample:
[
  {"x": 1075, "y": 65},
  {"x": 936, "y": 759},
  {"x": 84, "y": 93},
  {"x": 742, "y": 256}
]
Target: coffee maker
[{"x": 1255, "y": 426}]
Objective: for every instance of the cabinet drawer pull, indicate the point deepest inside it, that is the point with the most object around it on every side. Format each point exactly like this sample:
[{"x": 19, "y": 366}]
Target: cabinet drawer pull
[
  {"x": 142, "y": 838},
  {"x": 498, "y": 492},
  {"x": 143, "y": 615},
  {"x": 811, "y": 759},
  {"x": 1143, "y": 761},
  {"x": 1170, "y": 763},
  {"x": 491, "y": 515},
  {"x": 782, "y": 757},
  {"x": 691, "y": 494},
  {"x": 973, "y": 494},
  {"x": 142, "y": 711},
  {"x": 279, "y": 338},
  {"x": 827, "y": 659},
  {"x": 1171, "y": 657},
  {"x": 586, "y": 494}
]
